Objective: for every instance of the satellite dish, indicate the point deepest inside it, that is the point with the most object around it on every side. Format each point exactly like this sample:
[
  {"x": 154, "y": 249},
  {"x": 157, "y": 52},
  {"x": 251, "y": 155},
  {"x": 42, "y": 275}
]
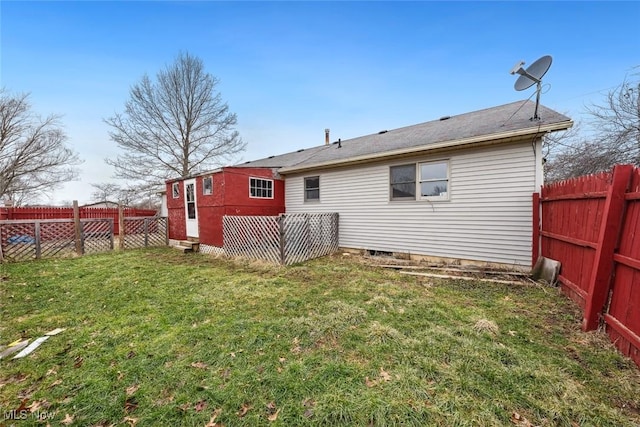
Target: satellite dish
[{"x": 532, "y": 75}]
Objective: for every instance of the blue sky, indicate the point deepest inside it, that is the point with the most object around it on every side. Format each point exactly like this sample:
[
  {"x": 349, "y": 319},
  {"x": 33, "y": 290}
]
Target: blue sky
[{"x": 291, "y": 69}]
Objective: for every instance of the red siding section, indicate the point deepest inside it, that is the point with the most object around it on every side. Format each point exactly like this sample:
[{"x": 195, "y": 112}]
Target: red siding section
[
  {"x": 175, "y": 212},
  {"x": 230, "y": 197}
]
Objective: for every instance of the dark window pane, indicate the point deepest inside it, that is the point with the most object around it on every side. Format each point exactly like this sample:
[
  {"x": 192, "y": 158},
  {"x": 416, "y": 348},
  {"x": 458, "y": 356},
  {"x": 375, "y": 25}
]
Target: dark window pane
[
  {"x": 207, "y": 186},
  {"x": 191, "y": 210},
  {"x": 311, "y": 183},
  {"x": 313, "y": 194},
  {"x": 404, "y": 173},
  {"x": 190, "y": 195},
  {"x": 433, "y": 188},
  {"x": 403, "y": 191}
]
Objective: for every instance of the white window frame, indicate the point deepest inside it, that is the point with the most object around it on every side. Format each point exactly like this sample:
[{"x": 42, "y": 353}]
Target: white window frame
[
  {"x": 419, "y": 180},
  {"x": 175, "y": 190},
  {"x": 204, "y": 186},
  {"x": 251, "y": 179},
  {"x": 305, "y": 189}
]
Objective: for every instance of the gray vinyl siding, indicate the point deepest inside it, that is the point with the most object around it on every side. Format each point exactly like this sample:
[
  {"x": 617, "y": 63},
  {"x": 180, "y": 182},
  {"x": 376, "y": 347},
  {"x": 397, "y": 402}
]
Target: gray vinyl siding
[{"x": 487, "y": 217}]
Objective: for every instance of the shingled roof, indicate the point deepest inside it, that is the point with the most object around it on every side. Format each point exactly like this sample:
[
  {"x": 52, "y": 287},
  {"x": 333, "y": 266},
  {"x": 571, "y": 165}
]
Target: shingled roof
[{"x": 497, "y": 123}]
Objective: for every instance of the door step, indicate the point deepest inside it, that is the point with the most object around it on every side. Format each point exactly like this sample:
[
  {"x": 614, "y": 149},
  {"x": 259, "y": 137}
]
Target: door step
[{"x": 188, "y": 246}]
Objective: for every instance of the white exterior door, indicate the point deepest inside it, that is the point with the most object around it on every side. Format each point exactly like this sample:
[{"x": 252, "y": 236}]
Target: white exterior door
[{"x": 191, "y": 210}]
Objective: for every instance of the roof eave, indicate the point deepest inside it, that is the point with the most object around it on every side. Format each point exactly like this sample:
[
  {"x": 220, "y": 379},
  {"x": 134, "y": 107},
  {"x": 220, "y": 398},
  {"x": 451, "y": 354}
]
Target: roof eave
[{"x": 498, "y": 137}]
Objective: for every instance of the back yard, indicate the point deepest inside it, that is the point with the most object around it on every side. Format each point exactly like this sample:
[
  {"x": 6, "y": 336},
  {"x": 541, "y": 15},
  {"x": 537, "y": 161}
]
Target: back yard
[{"x": 154, "y": 338}]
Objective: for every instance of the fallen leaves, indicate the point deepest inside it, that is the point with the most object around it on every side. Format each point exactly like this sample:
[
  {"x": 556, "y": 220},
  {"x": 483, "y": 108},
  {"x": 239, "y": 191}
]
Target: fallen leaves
[
  {"x": 296, "y": 349},
  {"x": 200, "y": 406},
  {"x": 23, "y": 406},
  {"x": 520, "y": 420},
  {"x": 68, "y": 419},
  {"x": 272, "y": 412},
  {"x": 38, "y": 405},
  {"x": 309, "y": 404},
  {"x": 131, "y": 421},
  {"x": 132, "y": 389},
  {"x": 199, "y": 365},
  {"x": 384, "y": 376},
  {"x": 212, "y": 421},
  {"x": 78, "y": 361},
  {"x": 130, "y": 405},
  {"x": 369, "y": 383},
  {"x": 244, "y": 409},
  {"x": 274, "y": 416}
]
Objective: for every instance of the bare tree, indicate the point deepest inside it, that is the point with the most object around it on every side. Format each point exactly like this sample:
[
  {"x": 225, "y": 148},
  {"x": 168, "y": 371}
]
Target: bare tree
[
  {"x": 108, "y": 192},
  {"x": 615, "y": 139},
  {"x": 617, "y": 121},
  {"x": 33, "y": 156},
  {"x": 127, "y": 196},
  {"x": 174, "y": 126}
]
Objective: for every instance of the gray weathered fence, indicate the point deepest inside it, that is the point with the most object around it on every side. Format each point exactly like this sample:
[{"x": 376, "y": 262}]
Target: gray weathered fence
[
  {"x": 146, "y": 231},
  {"x": 284, "y": 239},
  {"x": 22, "y": 240}
]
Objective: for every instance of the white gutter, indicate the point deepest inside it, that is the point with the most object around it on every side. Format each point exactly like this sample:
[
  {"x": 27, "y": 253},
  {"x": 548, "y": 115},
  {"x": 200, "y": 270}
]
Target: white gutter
[{"x": 497, "y": 137}]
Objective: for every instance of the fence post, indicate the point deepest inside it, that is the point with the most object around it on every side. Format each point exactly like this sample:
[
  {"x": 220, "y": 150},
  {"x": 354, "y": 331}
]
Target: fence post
[
  {"x": 37, "y": 238},
  {"x": 120, "y": 227},
  {"x": 610, "y": 228},
  {"x": 281, "y": 221},
  {"x": 165, "y": 221},
  {"x": 145, "y": 226},
  {"x": 110, "y": 233},
  {"x": 77, "y": 227},
  {"x": 535, "y": 231}
]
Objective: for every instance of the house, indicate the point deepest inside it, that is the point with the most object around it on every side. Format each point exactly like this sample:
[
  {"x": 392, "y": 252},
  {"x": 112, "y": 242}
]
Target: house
[
  {"x": 196, "y": 205},
  {"x": 457, "y": 188}
]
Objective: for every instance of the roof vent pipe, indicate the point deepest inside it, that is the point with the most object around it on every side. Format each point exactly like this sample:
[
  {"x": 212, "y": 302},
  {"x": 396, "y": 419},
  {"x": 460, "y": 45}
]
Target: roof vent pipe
[
  {"x": 339, "y": 143},
  {"x": 326, "y": 136}
]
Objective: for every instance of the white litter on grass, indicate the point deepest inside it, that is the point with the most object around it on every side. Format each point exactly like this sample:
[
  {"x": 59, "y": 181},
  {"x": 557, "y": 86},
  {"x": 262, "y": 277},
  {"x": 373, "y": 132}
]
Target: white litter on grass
[
  {"x": 31, "y": 347},
  {"x": 13, "y": 347}
]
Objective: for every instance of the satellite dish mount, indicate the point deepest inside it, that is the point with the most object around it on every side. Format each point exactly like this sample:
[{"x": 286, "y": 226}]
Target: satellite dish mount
[{"x": 532, "y": 75}]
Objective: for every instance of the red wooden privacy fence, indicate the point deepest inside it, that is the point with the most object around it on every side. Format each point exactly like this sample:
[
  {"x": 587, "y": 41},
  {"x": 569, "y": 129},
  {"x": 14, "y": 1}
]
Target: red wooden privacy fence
[
  {"x": 33, "y": 213},
  {"x": 591, "y": 225}
]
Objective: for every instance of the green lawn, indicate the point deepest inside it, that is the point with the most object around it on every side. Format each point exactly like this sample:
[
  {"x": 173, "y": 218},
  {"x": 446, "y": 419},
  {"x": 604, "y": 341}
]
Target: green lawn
[{"x": 159, "y": 338}]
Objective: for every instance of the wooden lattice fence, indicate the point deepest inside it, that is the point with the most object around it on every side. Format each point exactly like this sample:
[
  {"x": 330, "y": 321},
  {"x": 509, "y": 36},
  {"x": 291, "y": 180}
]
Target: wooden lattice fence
[
  {"x": 285, "y": 239},
  {"x": 144, "y": 232},
  {"x": 22, "y": 240}
]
